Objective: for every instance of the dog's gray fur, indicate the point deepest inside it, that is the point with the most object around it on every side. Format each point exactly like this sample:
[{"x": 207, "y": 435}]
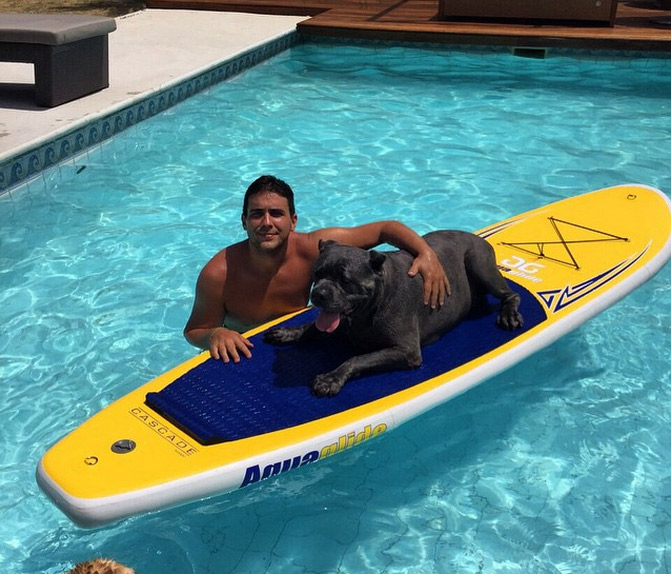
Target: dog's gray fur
[{"x": 381, "y": 306}]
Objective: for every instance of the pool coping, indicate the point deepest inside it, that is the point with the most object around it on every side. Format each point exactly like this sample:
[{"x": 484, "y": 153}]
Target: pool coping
[
  {"x": 85, "y": 134},
  {"x": 89, "y": 132}
]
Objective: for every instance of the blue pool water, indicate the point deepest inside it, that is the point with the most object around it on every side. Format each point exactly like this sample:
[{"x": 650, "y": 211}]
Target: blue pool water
[{"x": 559, "y": 465}]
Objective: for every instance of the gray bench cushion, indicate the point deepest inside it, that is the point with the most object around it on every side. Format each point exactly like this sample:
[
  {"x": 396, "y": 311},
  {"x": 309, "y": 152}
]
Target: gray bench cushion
[{"x": 52, "y": 29}]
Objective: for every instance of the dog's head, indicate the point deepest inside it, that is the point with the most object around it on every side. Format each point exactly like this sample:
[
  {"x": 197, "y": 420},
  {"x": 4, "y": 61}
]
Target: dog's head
[
  {"x": 101, "y": 566},
  {"x": 344, "y": 280}
]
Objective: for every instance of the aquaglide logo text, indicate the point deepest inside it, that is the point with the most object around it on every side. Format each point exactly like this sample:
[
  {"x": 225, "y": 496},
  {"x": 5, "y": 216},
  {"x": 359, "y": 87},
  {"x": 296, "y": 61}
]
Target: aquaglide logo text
[{"x": 255, "y": 473}]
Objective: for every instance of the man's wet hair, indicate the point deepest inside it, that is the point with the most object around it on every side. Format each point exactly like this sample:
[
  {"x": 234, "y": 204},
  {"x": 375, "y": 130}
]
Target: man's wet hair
[{"x": 272, "y": 184}]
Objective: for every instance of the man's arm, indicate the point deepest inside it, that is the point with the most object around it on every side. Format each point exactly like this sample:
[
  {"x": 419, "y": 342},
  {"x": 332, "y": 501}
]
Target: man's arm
[
  {"x": 426, "y": 263},
  {"x": 205, "y": 329}
]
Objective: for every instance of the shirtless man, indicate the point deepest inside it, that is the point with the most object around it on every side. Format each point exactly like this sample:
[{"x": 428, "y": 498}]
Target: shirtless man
[{"x": 269, "y": 274}]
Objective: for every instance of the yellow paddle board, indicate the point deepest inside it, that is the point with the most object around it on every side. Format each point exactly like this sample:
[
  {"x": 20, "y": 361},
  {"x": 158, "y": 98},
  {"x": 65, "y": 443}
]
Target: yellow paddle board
[{"x": 206, "y": 428}]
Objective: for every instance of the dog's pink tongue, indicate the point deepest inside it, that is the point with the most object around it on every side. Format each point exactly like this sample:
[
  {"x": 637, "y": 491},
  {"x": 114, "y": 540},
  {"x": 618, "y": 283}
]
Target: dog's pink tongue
[{"x": 327, "y": 321}]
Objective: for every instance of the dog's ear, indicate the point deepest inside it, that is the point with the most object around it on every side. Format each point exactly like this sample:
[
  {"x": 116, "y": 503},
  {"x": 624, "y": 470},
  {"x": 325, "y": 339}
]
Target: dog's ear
[
  {"x": 323, "y": 243},
  {"x": 376, "y": 260}
]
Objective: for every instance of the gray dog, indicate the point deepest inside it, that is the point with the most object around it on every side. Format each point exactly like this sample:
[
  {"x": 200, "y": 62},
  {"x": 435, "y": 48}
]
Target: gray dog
[{"x": 369, "y": 296}]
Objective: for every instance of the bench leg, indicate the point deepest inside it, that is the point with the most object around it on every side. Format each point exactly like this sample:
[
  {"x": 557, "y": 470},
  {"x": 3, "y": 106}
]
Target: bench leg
[{"x": 70, "y": 71}]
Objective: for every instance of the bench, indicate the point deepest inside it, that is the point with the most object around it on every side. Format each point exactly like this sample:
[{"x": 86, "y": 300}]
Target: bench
[
  {"x": 69, "y": 52},
  {"x": 577, "y": 12}
]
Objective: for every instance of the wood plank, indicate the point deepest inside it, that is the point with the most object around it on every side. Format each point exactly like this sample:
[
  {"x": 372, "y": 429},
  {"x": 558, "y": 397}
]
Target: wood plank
[{"x": 637, "y": 23}]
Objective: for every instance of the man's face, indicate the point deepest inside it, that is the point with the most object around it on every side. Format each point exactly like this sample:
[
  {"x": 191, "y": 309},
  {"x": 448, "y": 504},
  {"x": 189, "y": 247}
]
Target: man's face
[{"x": 267, "y": 221}]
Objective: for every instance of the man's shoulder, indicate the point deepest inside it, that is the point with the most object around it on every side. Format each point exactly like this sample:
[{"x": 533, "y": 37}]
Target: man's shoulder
[
  {"x": 222, "y": 259},
  {"x": 233, "y": 250},
  {"x": 348, "y": 235},
  {"x": 305, "y": 244}
]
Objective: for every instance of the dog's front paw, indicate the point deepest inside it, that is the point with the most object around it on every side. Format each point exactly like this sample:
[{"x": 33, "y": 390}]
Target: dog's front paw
[
  {"x": 510, "y": 320},
  {"x": 282, "y": 335},
  {"x": 327, "y": 385}
]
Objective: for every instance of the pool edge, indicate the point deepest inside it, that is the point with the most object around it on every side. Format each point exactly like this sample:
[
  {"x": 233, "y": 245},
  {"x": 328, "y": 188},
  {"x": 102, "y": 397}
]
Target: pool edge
[{"x": 28, "y": 162}]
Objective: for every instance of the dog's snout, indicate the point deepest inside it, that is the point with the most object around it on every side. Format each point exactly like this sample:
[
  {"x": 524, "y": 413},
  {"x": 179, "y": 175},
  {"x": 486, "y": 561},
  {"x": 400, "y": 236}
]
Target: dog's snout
[
  {"x": 319, "y": 293},
  {"x": 323, "y": 294}
]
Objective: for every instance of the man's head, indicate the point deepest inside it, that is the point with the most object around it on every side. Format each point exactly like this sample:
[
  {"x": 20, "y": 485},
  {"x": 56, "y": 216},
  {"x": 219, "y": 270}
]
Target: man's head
[
  {"x": 269, "y": 184},
  {"x": 268, "y": 214}
]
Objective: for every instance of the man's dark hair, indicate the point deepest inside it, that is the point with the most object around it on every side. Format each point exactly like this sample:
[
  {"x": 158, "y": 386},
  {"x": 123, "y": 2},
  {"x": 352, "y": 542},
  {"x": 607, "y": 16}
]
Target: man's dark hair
[{"x": 272, "y": 184}]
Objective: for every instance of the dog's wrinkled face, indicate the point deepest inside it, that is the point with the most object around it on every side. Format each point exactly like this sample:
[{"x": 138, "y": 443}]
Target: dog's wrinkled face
[{"x": 344, "y": 279}]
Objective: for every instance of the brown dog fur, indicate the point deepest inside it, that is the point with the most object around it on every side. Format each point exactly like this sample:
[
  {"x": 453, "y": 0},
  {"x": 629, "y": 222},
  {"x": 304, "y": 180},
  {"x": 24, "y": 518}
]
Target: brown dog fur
[{"x": 100, "y": 566}]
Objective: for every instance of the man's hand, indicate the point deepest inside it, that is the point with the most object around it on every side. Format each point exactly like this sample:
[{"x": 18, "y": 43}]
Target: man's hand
[
  {"x": 228, "y": 345},
  {"x": 436, "y": 283}
]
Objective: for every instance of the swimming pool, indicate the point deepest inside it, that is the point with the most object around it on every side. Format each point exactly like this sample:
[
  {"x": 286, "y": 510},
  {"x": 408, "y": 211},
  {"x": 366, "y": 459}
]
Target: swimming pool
[{"x": 558, "y": 465}]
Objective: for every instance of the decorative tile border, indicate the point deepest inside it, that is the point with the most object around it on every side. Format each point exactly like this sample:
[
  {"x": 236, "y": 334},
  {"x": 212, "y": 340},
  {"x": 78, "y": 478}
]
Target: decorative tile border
[
  {"x": 663, "y": 57},
  {"x": 17, "y": 170}
]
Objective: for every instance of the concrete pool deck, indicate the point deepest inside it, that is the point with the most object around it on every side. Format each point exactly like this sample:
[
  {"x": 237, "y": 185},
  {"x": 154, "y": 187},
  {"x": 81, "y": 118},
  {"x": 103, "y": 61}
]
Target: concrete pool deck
[{"x": 150, "y": 51}]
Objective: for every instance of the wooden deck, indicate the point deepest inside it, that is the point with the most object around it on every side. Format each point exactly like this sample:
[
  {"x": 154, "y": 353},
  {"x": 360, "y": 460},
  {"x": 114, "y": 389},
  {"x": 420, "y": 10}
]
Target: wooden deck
[{"x": 639, "y": 24}]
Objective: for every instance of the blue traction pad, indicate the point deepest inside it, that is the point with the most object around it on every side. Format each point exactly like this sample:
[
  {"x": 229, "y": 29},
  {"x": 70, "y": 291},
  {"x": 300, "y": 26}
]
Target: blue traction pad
[{"x": 216, "y": 402}]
